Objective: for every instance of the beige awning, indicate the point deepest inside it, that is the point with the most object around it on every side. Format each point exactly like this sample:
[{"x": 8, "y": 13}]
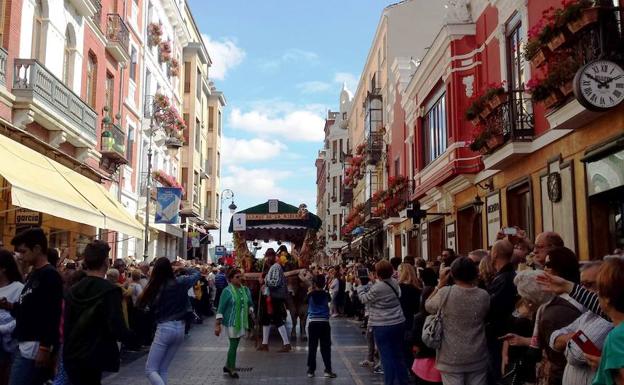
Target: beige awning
[{"x": 42, "y": 184}]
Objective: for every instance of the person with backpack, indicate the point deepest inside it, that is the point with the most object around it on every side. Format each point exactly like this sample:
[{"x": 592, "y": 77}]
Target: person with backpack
[
  {"x": 37, "y": 312},
  {"x": 166, "y": 295},
  {"x": 93, "y": 321}
]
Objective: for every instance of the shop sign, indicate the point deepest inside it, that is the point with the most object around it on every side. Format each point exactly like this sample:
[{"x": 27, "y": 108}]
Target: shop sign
[
  {"x": 273, "y": 206},
  {"x": 240, "y": 222},
  {"x": 450, "y": 236},
  {"x": 493, "y": 213},
  {"x": 275, "y": 217},
  {"x": 25, "y": 217},
  {"x": 219, "y": 251}
]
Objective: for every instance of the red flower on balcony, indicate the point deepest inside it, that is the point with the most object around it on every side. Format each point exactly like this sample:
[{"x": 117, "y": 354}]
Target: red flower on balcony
[
  {"x": 168, "y": 117},
  {"x": 165, "y": 51},
  {"x": 360, "y": 149},
  {"x": 166, "y": 179},
  {"x": 154, "y": 34},
  {"x": 174, "y": 68}
]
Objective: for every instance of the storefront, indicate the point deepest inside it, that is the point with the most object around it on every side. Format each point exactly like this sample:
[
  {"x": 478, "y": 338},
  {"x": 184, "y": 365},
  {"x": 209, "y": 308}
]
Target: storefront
[{"x": 71, "y": 208}]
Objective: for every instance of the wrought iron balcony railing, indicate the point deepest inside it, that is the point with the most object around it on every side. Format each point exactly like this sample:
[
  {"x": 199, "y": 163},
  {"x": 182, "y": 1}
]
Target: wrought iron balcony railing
[
  {"x": 33, "y": 82},
  {"x": 118, "y": 36},
  {"x": 512, "y": 120},
  {"x": 375, "y": 146}
]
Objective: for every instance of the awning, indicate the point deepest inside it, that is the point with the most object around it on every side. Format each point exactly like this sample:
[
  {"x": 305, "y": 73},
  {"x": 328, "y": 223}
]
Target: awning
[{"x": 42, "y": 184}]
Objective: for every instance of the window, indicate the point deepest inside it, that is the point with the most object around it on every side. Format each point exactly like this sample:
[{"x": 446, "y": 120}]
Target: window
[
  {"x": 109, "y": 91},
  {"x": 148, "y": 85},
  {"x": 218, "y": 164},
  {"x": 515, "y": 62},
  {"x": 520, "y": 207},
  {"x": 209, "y": 204},
  {"x": 196, "y": 185},
  {"x": 217, "y": 206},
  {"x": 133, "y": 64},
  {"x": 434, "y": 130},
  {"x": 210, "y": 119},
  {"x": 334, "y": 187},
  {"x": 219, "y": 123},
  {"x": 209, "y": 152},
  {"x": 397, "y": 167},
  {"x": 2, "y": 3},
  {"x": 198, "y": 85},
  {"x": 91, "y": 79},
  {"x": 38, "y": 36},
  {"x": 334, "y": 150},
  {"x": 197, "y": 135},
  {"x": 187, "y": 77},
  {"x": 130, "y": 145},
  {"x": 69, "y": 50}
]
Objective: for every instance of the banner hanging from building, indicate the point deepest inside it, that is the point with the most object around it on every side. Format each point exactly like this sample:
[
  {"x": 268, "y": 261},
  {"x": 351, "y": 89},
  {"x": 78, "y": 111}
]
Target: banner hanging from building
[{"x": 168, "y": 205}]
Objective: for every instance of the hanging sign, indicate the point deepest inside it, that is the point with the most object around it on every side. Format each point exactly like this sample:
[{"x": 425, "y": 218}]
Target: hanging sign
[
  {"x": 27, "y": 217},
  {"x": 273, "y": 206},
  {"x": 240, "y": 222},
  {"x": 168, "y": 205},
  {"x": 273, "y": 217},
  {"x": 492, "y": 205}
]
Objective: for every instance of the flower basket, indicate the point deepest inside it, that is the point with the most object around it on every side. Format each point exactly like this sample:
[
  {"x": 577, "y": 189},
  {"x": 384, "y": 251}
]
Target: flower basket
[
  {"x": 567, "y": 88},
  {"x": 497, "y": 100},
  {"x": 154, "y": 34},
  {"x": 494, "y": 141},
  {"x": 539, "y": 59},
  {"x": 485, "y": 113},
  {"x": 556, "y": 41},
  {"x": 165, "y": 51},
  {"x": 589, "y": 16},
  {"x": 174, "y": 68},
  {"x": 551, "y": 100}
]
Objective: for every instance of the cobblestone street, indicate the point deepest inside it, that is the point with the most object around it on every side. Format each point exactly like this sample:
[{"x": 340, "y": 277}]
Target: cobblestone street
[{"x": 201, "y": 358}]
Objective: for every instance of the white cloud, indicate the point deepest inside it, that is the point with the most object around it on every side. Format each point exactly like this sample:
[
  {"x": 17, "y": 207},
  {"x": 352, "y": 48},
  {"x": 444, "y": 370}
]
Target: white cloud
[
  {"x": 297, "y": 124},
  {"x": 293, "y": 55},
  {"x": 225, "y": 55},
  {"x": 259, "y": 184},
  {"x": 296, "y": 54},
  {"x": 250, "y": 150},
  {"x": 313, "y": 87},
  {"x": 346, "y": 77}
]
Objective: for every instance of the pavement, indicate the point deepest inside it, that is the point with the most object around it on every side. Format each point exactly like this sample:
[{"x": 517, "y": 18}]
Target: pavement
[{"x": 201, "y": 358}]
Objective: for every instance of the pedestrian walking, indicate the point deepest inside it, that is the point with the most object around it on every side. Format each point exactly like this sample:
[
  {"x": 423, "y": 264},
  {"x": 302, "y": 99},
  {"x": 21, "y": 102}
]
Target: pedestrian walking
[
  {"x": 235, "y": 306},
  {"x": 319, "y": 330},
  {"x": 275, "y": 292},
  {"x": 93, "y": 321},
  {"x": 37, "y": 312},
  {"x": 166, "y": 295},
  {"x": 387, "y": 320}
]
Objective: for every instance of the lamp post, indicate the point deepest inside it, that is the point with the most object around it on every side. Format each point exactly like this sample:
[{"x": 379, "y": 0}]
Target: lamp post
[
  {"x": 173, "y": 144},
  {"x": 232, "y": 207}
]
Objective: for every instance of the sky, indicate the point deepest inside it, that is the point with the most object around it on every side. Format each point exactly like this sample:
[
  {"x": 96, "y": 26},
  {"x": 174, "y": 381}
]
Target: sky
[{"x": 281, "y": 65}]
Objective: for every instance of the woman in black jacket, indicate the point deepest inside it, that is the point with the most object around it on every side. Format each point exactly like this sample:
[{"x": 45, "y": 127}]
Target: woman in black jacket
[{"x": 424, "y": 363}]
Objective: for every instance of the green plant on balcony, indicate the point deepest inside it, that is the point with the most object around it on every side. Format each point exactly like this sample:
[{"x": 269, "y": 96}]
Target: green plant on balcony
[
  {"x": 108, "y": 141},
  {"x": 556, "y": 85},
  {"x": 482, "y": 104}
]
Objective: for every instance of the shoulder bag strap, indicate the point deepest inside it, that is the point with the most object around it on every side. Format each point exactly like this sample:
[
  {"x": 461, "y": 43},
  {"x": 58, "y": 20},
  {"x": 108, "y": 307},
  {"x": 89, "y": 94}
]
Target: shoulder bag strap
[
  {"x": 393, "y": 289},
  {"x": 443, "y": 303}
]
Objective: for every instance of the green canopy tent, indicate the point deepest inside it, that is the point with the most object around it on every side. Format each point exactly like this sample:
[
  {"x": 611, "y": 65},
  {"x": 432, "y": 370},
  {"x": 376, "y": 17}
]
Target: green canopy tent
[{"x": 279, "y": 221}]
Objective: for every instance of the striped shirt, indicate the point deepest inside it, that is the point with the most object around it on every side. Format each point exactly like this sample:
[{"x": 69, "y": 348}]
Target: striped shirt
[{"x": 588, "y": 299}]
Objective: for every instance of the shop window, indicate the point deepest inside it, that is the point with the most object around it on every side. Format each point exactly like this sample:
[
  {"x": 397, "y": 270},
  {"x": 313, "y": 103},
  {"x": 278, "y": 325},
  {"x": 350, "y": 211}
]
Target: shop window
[
  {"x": 435, "y": 130},
  {"x": 520, "y": 207}
]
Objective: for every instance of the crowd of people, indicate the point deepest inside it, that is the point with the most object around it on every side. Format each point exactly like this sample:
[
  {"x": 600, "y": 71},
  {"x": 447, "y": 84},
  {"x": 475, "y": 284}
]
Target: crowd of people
[{"x": 521, "y": 313}]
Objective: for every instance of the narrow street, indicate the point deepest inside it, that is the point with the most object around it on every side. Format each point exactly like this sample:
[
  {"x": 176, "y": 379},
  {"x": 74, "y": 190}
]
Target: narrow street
[{"x": 201, "y": 357}]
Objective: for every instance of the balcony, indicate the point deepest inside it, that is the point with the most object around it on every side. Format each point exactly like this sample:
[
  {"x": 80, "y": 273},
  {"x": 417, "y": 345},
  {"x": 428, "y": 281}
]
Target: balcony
[
  {"x": 113, "y": 146},
  {"x": 375, "y": 146},
  {"x": 118, "y": 38},
  {"x": 86, "y": 8},
  {"x": 52, "y": 104},
  {"x": 511, "y": 125},
  {"x": 3, "y": 63}
]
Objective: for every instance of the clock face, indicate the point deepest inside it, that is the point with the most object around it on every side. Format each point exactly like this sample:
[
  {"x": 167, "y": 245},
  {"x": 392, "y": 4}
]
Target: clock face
[{"x": 599, "y": 85}]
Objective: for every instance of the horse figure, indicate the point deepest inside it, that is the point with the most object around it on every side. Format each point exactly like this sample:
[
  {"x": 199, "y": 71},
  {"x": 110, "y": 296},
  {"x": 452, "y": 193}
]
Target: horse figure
[{"x": 298, "y": 286}]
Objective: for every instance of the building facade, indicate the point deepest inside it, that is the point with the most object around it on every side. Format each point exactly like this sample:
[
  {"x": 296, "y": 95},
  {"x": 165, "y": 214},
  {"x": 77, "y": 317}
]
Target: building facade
[
  {"x": 77, "y": 83},
  {"x": 452, "y": 145}
]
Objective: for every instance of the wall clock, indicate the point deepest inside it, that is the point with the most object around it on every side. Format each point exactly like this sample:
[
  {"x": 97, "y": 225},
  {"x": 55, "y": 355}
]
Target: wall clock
[{"x": 599, "y": 85}]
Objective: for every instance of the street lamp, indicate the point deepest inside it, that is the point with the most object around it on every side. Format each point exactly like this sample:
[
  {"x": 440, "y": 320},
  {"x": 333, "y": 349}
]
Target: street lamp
[
  {"x": 225, "y": 194},
  {"x": 172, "y": 144}
]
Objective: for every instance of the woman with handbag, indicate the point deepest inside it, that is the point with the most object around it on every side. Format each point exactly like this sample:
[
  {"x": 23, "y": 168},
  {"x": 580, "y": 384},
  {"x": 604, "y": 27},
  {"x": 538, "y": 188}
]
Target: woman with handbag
[{"x": 461, "y": 308}]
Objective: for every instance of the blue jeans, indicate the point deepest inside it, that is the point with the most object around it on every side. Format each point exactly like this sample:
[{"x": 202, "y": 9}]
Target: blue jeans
[
  {"x": 389, "y": 340},
  {"x": 169, "y": 336},
  {"x": 24, "y": 372}
]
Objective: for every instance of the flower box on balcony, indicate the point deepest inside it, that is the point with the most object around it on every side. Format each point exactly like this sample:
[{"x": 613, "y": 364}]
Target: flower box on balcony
[
  {"x": 498, "y": 99},
  {"x": 494, "y": 141},
  {"x": 556, "y": 41},
  {"x": 539, "y": 59},
  {"x": 588, "y": 17}
]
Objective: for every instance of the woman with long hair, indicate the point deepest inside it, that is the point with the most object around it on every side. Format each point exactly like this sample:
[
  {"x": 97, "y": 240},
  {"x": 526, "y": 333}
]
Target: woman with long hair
[
  {"x": 410, "y": 302},
  {"x": 166, "y": 296},
  {"x": 10, "y": 288},
  {"x": 235, "y": 305}
]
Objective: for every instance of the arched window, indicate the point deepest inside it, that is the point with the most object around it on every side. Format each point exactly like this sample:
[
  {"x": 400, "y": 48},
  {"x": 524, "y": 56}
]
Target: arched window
[
  {"x": 38, "y": 33},
  {"x": 69, "y": 56},
  {"x": 91, "y": 79}
]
